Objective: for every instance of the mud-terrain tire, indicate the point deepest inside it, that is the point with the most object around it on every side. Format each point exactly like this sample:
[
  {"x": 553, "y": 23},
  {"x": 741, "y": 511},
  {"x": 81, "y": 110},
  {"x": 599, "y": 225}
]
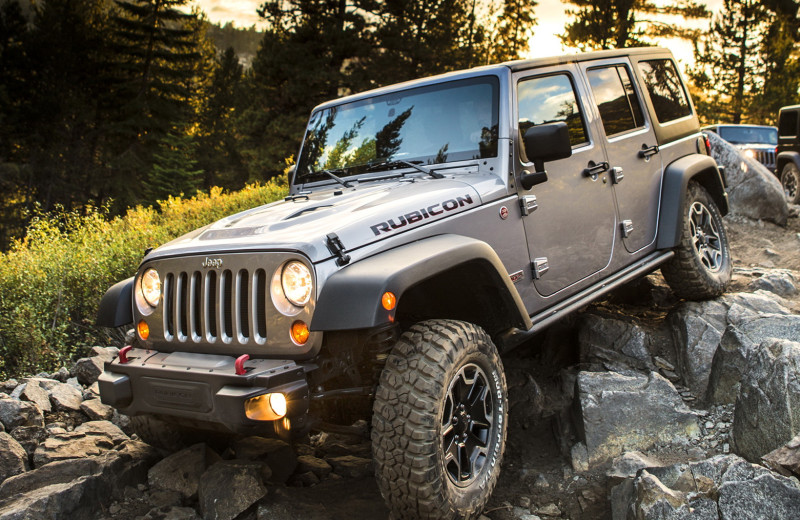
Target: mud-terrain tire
[
  {"x": 790, "y": 181},
  {"x": 419, "y": 423},
  {"x": 701, "y": 268}
]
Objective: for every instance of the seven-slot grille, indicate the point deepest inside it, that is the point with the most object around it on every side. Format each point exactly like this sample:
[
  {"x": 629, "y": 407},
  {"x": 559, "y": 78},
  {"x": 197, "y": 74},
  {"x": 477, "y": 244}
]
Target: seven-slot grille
[
  {"x": 228, "y": 305},
  {"x": 766, "y": 157}
]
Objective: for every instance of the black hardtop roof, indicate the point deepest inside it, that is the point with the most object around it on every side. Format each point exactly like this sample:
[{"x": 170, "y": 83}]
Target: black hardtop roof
[{"x": 519, "y": 65}]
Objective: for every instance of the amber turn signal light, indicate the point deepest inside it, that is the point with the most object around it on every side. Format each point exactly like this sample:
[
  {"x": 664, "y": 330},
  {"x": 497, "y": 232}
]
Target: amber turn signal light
[
  {"x": 143, "y": 329},
  {"x": 267, "y": 407},
  {"x": 300, "y": 332},
  {"x": 389, "y": 301}
]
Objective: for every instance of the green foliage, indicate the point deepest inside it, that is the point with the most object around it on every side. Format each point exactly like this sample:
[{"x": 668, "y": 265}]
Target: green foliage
[
  {"x": 614, "y": 24},
  {"x": 52, "y": 280}
]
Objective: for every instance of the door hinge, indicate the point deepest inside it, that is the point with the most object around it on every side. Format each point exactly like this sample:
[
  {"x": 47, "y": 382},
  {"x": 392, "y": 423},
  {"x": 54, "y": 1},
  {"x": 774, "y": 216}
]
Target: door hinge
[
  {"x": 539, "y": 267},
  {"x": 627, "y": 228},
  {"x": 336, "y": 247},
  {"x": 617, "y": 175},
  {"x": 528, "y": 204}
]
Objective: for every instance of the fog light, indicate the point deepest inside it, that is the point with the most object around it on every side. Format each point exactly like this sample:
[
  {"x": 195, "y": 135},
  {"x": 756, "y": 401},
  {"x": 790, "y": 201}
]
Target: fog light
[
  {"x": 143, "y": 329},
  {"x": 299, "y": 333},
  {"x": 267, "y": 407}
]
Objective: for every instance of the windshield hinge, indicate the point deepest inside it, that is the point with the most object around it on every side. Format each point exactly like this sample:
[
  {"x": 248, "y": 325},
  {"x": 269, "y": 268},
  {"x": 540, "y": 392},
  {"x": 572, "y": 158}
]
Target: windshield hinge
[{"x": 336, "y": 247}]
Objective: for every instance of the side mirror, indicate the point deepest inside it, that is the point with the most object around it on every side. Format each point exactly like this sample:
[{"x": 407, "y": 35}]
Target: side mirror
[{"x": 543, "y": 143}]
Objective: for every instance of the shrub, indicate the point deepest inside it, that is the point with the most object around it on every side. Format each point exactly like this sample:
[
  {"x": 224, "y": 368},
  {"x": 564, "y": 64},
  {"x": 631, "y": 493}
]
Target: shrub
[{"x": 52, "y": 280}]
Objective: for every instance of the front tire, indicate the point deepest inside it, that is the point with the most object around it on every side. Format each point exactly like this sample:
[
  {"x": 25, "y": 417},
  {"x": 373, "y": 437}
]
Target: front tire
[
  {"x": 701, "y": 268},
  {"x": 439, "y": 421},
  {"x": 790, "y": 181}
]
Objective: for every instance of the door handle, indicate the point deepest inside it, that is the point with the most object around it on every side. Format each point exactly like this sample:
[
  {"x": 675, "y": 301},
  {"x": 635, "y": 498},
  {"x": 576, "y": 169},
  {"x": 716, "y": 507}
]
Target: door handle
[
  {"x": 593, "y": 170},
  {"x": 648, "y": 151}
]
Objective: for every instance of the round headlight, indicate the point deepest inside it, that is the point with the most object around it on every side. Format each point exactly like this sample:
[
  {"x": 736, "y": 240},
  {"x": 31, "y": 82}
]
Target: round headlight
[
  {"x": 749, "y": 153},
  {"x": 151, "y": 287},
  {"x": 296, "y": 283}
]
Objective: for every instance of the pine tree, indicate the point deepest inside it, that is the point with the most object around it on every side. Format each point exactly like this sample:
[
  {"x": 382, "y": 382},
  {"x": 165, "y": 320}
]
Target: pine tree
[
  {"x": 174, "y": 170},
  {"x": 728, "y": 61},
  {"x": 610, "y": 24},
  {"x": 513, "y": 30}
]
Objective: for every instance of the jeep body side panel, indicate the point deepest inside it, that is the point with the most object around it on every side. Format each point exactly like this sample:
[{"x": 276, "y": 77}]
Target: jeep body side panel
[
  {"x": 677, "y": 175},
  {"x": 786, "y": 157},
  {"x": 351, "y": 298},
  {"x": 116, "y": 306}
]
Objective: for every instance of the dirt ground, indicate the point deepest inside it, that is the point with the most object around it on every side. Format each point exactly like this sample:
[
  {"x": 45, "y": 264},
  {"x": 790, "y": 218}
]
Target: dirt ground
[{"x": 537, "y": 475}]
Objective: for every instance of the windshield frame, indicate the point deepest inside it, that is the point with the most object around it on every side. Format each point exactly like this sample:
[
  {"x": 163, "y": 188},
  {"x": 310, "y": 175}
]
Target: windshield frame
[
  {"x": 721, "y": 129},
  {"x": 496, "y": 76}
]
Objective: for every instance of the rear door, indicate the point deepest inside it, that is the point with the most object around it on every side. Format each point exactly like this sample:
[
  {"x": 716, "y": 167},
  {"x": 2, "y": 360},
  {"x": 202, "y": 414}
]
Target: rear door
[{"x": 630, "y": 144}]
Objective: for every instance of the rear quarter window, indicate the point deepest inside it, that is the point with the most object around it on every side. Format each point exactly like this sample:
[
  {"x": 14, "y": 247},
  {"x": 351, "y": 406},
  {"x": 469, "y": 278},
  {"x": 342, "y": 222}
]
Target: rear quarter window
[
  {"x": 787, "y": 125},
  {"x": 666, "y": 90}
]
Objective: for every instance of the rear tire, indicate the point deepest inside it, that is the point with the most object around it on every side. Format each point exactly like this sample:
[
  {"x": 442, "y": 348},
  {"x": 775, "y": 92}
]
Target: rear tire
[
  {"x": 701, "y": 268},
  {"x": 790, "y": 181},
  {"x": 439, "y": 422}
]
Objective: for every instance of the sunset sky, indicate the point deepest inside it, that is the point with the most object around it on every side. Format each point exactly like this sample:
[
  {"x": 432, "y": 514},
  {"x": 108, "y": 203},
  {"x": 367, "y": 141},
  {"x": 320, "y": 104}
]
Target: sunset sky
[{"x": 545, "y": 42}]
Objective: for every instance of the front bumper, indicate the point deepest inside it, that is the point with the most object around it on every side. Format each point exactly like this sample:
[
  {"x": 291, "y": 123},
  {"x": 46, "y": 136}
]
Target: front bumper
[{"x": 204, "y": 388}]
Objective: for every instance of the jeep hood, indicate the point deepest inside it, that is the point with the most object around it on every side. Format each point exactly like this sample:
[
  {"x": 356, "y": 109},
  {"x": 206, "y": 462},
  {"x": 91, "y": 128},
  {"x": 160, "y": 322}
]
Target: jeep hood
[{"x": 359, "y": 215}]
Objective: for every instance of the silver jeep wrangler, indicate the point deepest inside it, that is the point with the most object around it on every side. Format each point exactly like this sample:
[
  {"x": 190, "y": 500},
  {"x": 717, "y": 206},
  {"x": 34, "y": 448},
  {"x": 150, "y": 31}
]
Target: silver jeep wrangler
[{"x": 430, "y": 226}]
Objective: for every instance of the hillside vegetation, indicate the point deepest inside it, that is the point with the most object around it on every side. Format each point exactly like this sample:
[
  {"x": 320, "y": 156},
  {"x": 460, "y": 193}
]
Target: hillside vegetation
[{"x": 52, "y": 280}]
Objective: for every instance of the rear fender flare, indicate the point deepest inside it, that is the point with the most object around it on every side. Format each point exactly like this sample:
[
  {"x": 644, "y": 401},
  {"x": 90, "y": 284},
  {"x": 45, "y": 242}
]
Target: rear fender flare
[{"x": 677, "y": 175}]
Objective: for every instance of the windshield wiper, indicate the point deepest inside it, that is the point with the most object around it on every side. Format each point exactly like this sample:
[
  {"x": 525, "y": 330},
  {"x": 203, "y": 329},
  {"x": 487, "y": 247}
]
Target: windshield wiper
[
  {"x": 400, "y": 162},
  {"x": 329, "y": 173}
]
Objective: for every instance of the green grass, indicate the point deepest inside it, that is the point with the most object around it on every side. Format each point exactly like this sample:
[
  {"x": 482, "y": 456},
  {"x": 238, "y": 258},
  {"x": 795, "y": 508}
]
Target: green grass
[{"x": 52, "y": 280}]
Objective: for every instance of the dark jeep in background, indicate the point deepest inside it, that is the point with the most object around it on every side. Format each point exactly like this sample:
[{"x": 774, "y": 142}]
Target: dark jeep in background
[
  {"x": 788, "y": 169},
  {"x": 422, "y": 237},
  {"x": 759, "y": 142}
]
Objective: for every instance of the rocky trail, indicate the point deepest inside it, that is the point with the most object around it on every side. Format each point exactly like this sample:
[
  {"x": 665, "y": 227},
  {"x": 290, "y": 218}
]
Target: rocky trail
[{"x": 639, "y": 406}]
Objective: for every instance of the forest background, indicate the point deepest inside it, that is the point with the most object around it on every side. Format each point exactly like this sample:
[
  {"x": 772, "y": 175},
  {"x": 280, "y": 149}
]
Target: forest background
[{"x": 124, "y": 123}]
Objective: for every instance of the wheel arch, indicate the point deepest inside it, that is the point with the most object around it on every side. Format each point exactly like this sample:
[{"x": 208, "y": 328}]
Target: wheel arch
[
  {"x": 416, "y": 274},
  {"x": 700, "y": 168},
  {"x": 116, "y": 306},
  {"x": 784, "y": 158}
]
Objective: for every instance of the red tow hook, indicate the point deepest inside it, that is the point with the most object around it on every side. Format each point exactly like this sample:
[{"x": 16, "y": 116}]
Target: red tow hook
[
  {"x": 240, "y": 371},
  {"x": 123, "y": 354}
]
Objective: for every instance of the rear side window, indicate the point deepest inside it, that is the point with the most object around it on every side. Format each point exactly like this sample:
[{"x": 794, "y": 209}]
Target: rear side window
[
  {"x": 616, "y": 99},
  {"x": 787, "y": 125},
  {"x": 549, "y": 99},
  {"x": 666, "y": 89}
]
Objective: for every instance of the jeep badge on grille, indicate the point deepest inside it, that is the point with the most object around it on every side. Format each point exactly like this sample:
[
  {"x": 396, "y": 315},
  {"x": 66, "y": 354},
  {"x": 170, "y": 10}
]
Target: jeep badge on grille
[{"x": 212, "y": 263}]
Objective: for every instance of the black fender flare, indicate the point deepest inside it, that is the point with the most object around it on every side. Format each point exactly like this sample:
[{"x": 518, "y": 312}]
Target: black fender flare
[
  {"x": 677, "y": 175},
  {"x": 786, "y": 157},
  {"x": 116, "y": 306},
  {"x": 351, "y": 298}
]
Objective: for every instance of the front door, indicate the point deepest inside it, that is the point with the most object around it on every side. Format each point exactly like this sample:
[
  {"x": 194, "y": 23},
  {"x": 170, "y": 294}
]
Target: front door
[
  {"x": 570, "y": 227},
  {"x": 630, "y": 144}
]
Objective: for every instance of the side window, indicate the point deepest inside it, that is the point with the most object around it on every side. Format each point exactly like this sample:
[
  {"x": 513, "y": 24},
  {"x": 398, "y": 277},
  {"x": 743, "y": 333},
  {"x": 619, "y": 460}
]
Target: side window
[
  {"x": 616, "y": 99},
  {"x": 549, "y": 99},
  {"x": 666, "y": 89},
  {"x": 787, "y": 125}
]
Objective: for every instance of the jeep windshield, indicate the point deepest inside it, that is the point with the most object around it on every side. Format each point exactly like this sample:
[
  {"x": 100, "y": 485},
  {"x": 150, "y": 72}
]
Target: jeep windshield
[
  {"x": 749, "y": 134},
  {"x": 434, "y": 124}
]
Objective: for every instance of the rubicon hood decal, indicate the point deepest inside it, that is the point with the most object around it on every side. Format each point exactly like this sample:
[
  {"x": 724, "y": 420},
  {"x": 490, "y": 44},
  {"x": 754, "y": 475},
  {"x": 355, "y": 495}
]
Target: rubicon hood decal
[{"x": 421, "y": 214}]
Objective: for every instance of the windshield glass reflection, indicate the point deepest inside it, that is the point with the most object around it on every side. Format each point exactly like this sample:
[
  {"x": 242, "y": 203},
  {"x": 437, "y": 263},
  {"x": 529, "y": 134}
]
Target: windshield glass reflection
[{"x": 436, "y": 124}]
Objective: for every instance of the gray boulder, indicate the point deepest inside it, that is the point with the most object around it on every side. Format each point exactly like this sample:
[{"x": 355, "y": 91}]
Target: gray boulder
[
  {"x": 730, "y": 359},
  {"x": 753, "y": 191},
  {"x": 779, "y": 281},
  {"x": 697, "y": 329},
  {"x": 308, "y": 463},
  {"x": 87, "y": 370},
  {"x": 13, "y": 457},
  {"x": 15, "y": 413},
  {"x": 613, "y": 341},
  {"x": 285, "y": 504},
  {"x": 96, "y": 410},
  {"x": 621, "y": 413},
  {"x": 724, "y": 487},
  {"x": 171, "y": 513},
  {"x": 229, "y": 487},
  {"x": 767, "y": 413},
  {"x": 29, "y": 437},
  {"x": 351, "y": 466},
  {"x": 87, "y": 440},
  {"x": 183, "y": 470},
  {"x": 275, "y": 453},
  {"x": 75, "y": 488},
  {"x": 786, "y": 459},
  {"x": 66, "y": 397},
  {"x": 37, "y": 394}
]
